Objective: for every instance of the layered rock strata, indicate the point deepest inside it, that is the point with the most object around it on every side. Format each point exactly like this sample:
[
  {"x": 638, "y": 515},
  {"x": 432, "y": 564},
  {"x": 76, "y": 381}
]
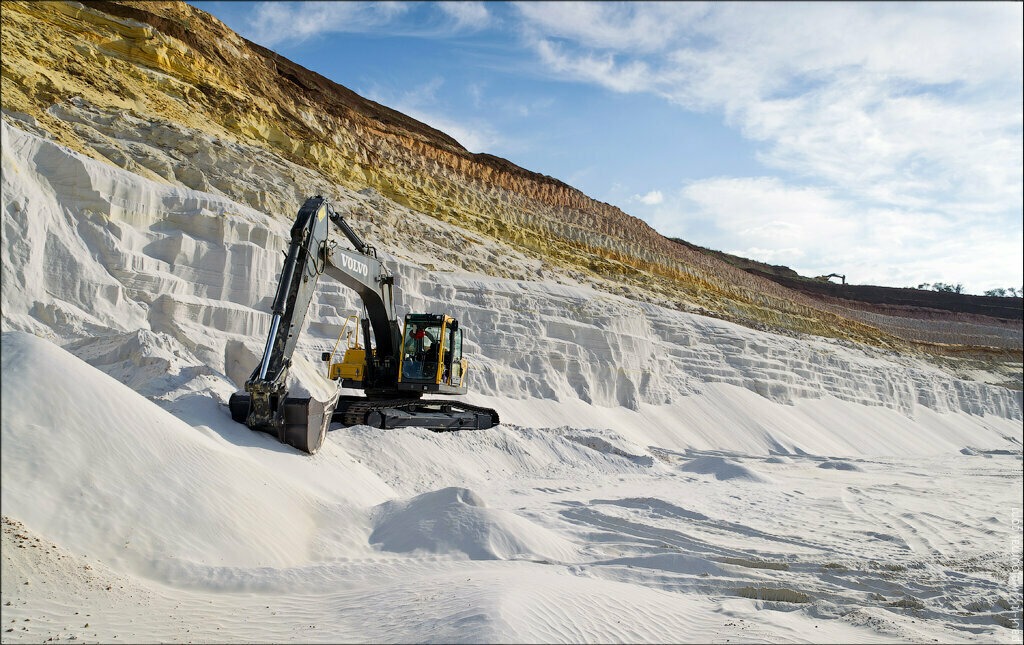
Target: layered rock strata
[{"x": 155, "y": 87}]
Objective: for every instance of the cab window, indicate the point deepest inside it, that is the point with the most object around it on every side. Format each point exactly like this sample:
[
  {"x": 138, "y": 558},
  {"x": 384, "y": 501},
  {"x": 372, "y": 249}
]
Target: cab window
[{"x": 421, "y": 349}]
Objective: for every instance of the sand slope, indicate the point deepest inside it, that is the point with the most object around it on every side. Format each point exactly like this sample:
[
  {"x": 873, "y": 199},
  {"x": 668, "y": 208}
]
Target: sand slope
[{"x": 660, "y": 476}]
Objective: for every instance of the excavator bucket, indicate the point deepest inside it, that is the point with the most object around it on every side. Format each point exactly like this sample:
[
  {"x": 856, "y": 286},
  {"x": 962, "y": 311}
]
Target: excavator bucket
[{"x": 302, "y": 422}]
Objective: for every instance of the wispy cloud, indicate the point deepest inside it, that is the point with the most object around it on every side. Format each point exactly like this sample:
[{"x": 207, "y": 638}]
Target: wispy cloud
[
  {"x": 280, "y": 23},
  {"x": 467, "y": 15},
  {"x": 636, "y": 28},
  {"x": 274, "y": 23},
  {"x": 652, "y": 198},
  {"x": 915, "y": 104},
  {"x": 603, "y": 69},
  {"x": 421, "y": 103},
  {"x": 474, "y": 135}
]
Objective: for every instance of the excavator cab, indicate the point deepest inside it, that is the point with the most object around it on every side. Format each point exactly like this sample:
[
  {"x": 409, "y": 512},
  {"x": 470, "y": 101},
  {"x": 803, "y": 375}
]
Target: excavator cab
[{"x": 432, "y": 355}]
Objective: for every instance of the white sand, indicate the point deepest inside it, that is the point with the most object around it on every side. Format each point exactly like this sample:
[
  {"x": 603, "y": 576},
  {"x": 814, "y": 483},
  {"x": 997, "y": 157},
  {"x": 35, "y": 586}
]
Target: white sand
[{"x": 659, "y": 477}]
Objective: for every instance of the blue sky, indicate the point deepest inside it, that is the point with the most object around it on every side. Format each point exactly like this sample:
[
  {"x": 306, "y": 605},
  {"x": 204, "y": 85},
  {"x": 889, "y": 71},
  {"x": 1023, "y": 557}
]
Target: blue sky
[{"x": 882, "y": 141}]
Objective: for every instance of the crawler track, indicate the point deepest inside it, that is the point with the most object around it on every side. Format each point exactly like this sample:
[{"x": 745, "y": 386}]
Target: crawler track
[
  {"x": 439, "y": 415},
  {"x": 305, "y": 421}
]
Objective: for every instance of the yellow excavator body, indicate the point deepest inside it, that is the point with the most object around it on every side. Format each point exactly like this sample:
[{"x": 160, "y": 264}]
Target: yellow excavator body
[{"x": 351, "y": 367}]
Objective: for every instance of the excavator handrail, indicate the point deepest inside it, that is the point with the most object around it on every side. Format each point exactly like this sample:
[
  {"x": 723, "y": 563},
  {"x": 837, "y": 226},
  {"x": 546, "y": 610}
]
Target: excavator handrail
[{"x": 349, "y": 342}]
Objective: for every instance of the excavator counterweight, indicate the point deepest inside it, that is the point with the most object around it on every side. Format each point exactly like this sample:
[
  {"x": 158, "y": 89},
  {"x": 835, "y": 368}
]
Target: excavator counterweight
[{"x": 425, "y": 358}]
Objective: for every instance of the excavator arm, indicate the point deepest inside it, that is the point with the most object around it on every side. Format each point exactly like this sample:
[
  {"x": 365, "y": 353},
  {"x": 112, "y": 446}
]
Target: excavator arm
[{"x": 267, "y": 385}]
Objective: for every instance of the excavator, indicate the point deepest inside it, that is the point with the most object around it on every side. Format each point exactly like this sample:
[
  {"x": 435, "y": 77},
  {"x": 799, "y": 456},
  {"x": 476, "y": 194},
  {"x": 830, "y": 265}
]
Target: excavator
[{"x": 403, "y": 362}]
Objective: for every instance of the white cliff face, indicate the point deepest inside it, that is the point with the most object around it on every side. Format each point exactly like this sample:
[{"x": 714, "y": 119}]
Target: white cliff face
[
  {"x": 92, "y": 251},
  {"x": 556, "y": 342}
]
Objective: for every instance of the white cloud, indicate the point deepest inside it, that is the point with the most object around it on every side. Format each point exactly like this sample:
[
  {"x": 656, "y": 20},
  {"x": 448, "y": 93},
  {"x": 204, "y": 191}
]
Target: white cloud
[
  {"x": 467, "y": 15},
  {"x": 816, "y": 231},
  {"x": 841, "y": 91},
  {"x": 652, "y": 198},
  {"x": 476, "y": 94},
  {"x": 421, "y": 103},
  {"x": 905, "y": 150},
  {"x": 785, "y": 257},
  {"x": 601, "y": 69},
  {"x": 274, "y": 23},
  {"x": 621, "y": 26},
  {"x": 764, "y": 212},
  {"x": 924, "y": 100},
  {"x": 476, "y": 136},
  {"x": 280, "y": 23}
]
